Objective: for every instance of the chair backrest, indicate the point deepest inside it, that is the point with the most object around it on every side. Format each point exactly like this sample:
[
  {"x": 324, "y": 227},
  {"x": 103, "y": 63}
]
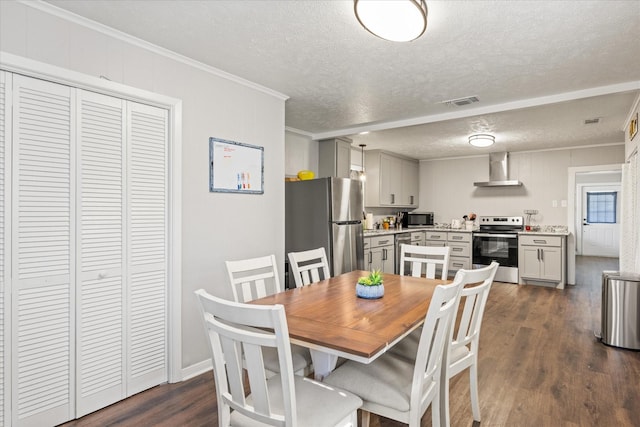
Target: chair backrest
[
  {"x": 475, "y": 299},
  {"x": 308, "y": 266},
  {"x": 429, "y": 256},
  {"x": 236, "y": 329},
  {"x": 436, "y": 331},
  {"x": 253, "y": 278}
]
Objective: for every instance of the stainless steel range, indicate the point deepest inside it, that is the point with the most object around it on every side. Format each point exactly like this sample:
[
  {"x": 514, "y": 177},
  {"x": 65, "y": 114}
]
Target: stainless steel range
[{"x": 497, "y": 240}]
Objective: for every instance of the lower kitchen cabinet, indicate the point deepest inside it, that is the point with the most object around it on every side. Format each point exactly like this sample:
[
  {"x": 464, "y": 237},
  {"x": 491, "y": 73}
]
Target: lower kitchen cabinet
[
  {"x": 379, "y": 253},
  {"x": 460, "y": 244},
  {"x": 541, "y": 259},
  {"x": 417, "y": 238},
  {"x": 460, "y": 253}
]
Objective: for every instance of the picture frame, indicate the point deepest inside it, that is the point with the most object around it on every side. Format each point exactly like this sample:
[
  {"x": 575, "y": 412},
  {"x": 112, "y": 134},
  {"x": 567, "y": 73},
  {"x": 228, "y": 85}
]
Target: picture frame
[
  {"x": 235, "y": 167},
  {"x": 633, "y": 127}
]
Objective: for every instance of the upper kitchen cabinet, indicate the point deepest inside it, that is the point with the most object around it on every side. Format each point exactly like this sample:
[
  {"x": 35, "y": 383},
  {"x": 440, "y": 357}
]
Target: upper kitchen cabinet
[
  {"x": 391, "y": 180},
  {"x": 334, "y": 158}
]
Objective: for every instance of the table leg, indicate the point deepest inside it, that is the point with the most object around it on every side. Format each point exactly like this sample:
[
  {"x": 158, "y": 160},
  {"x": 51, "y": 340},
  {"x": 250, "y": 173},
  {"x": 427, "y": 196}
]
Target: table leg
[{"x": 323, "y": 363}]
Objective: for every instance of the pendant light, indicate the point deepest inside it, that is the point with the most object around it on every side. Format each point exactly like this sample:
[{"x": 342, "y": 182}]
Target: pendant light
[
  {"x": 361, "y": 175},
  {"x": 393, "y": 20}
]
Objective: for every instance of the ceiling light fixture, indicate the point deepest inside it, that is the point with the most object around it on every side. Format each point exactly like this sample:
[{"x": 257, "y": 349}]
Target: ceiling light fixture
[
  {"x": 361, "y": 174},
  {"x": 482, "y": 140},
  {"x": 394, "y": 20}
]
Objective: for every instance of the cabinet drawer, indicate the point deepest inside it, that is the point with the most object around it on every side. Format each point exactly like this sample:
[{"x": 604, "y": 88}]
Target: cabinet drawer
[
  {"x": 459, "y": 237},
  {"x": 367, "y": 244},
  {"x": 417, "y": 236},
  {"x": 435, "y": 235},
  {"x": 456, "y": 263},
  {"x": 382, "y": 241},
  {"x": 540, "y": 240},
  {"x": 460, "y": 249}
]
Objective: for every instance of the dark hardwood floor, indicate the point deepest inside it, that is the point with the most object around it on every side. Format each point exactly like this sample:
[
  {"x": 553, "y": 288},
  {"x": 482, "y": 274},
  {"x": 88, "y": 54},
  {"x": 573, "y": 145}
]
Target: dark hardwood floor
[{"x": 539, "y": 365}]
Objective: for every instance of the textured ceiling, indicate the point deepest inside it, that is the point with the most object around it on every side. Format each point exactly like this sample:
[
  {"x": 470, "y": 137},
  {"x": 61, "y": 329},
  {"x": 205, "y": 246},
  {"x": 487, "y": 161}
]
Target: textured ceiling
[{"x": 539, "y": 68}]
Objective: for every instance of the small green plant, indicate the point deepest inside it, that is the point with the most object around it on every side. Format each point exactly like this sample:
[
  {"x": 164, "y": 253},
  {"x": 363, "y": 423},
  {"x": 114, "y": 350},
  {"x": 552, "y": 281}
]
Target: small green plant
[{"x": 373, "y": 279}]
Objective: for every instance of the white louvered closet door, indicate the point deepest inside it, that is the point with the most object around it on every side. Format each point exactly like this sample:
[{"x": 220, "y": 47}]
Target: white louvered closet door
[
  {"x": 42, "y": 262},
  {"x": 100, "y": 289},
  {"x": 5, "y": 129},
  {"x": 147, "y": 203}
]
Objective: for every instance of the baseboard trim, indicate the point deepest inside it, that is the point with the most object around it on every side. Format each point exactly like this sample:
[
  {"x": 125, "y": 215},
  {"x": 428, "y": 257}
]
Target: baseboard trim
[{"x": 196, "y": 369}]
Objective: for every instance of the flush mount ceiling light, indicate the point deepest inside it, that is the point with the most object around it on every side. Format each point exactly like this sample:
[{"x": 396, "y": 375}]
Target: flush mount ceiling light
[
  {"x": 482, "y": 140},
  {"x": 393, "y": 20}
]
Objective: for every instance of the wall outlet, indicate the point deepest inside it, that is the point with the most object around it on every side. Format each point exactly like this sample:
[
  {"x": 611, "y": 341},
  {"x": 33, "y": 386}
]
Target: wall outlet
[
  {"x": 563, "y": 203},
  {"x": 554, "y": 203}
]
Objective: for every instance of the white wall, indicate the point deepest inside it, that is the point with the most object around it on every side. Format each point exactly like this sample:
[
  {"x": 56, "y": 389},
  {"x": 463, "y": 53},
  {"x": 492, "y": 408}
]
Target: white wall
[
  {"x": 215, "y": 226},
  {"x": 301, "y": 153},
  {"x": 446, "y": 186}
]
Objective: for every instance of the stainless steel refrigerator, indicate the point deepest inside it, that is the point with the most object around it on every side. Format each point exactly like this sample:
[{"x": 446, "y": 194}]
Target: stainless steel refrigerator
[{"x": 326, "y": 212}]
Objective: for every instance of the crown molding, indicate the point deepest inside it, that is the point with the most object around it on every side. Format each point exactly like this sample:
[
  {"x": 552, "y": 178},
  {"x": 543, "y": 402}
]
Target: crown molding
[{"x": 127, "y": 38}]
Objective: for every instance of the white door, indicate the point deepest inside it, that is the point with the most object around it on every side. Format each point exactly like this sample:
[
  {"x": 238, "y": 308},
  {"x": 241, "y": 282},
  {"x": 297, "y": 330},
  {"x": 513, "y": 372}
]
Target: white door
[
  {"x": 43, "y": 319},
  {"x": 147, "y": 204},
  {"x": 600, "y": 226},
  {"x": 5, "y": 121},
  {"x": 100, "y": 296}
]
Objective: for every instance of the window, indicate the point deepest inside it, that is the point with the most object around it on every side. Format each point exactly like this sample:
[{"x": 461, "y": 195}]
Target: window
[{"x": 601, "y": 207}]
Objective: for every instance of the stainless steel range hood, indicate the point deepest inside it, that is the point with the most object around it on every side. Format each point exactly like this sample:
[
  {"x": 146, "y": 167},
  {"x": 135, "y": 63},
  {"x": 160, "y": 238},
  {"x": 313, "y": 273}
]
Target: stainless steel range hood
[{"x": 498, "y": 172}]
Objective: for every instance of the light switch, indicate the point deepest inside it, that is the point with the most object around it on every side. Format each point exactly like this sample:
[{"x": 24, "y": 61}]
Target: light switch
[
  {"x": 554, "y": 203},
  {"x": 563, "y": 203}
]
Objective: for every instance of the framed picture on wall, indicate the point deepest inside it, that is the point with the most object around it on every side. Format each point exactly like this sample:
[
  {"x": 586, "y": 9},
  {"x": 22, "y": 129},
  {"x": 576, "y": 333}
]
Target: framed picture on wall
[
  {"x": 633, "y": 127},
  {"x": 235, "y": 167}
]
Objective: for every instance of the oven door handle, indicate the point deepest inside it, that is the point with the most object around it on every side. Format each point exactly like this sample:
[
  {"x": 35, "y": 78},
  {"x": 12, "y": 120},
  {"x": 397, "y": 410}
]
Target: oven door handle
[{"x": 507, "y": 236}]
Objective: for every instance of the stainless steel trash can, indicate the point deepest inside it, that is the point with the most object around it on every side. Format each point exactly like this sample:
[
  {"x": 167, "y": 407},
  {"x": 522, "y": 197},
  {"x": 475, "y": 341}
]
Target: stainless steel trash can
[{"x": 620, "y": 310}]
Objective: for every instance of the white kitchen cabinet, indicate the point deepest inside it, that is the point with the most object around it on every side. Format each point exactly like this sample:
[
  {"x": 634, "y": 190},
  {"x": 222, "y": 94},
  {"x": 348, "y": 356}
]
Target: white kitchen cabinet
[
  {"x": 334, "y": 157},
  {"x": 459, "y": 244},
  {"x": 541, "y": 259},
  {"x": 410, "y": 179},
  {"x": 435, "y": 238},
  {"x": 392, "y": 181},
  {"x": 417, "y": 238},
  {"x": 460, "y": 251},
  {"x": 379, "y": 253}
]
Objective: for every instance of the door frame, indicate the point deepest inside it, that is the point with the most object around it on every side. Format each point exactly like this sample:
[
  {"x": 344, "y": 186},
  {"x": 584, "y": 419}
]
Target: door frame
[
  {"x": 40, "y": 70},
  {"x": 572, "y": 173}
]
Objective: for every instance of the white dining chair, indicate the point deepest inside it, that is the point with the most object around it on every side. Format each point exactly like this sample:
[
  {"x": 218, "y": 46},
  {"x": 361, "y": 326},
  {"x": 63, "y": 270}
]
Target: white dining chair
[
  {"x": 462, "y": 351},
  {"x": 256, "y": 278},
  {"x": 425, "y": 258},
  {"x": 236, "y": 329},
  {"x": 309, "y": 266},
  {"x": 399, "y": 389}
]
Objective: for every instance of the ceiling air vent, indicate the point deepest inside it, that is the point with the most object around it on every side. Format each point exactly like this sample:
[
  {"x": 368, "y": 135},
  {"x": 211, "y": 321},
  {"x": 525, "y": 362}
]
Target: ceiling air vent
[
  {"x": 461, "y": 101},
  {"x": 592, "y": 121}
]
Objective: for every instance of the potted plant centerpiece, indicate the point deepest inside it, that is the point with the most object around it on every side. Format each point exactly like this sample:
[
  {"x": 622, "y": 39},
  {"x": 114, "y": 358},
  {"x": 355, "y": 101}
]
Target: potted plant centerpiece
[{"x": 370, "y": 286}]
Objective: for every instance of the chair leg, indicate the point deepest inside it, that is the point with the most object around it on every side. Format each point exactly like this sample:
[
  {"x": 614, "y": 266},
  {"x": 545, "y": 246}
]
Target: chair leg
[
  {"x": 364, "y": 418},
  {"x": 443, "y": 409},
  {"x": 473, "y": 380},
  {"x": 436, "y": 404}
]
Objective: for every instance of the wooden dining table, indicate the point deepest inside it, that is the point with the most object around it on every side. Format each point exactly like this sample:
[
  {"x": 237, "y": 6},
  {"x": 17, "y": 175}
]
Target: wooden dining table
[{"x": 329, "y": 319}]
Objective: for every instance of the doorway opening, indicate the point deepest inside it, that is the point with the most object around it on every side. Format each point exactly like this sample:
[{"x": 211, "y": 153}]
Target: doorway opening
[{"x": 596, "y": 234}]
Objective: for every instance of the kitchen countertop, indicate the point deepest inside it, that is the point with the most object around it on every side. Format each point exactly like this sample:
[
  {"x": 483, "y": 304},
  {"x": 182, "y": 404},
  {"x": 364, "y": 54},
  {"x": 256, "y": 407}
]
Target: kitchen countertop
[
  {"x": 545, "y": 231},
  {"x": 382, "y": 232}
]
